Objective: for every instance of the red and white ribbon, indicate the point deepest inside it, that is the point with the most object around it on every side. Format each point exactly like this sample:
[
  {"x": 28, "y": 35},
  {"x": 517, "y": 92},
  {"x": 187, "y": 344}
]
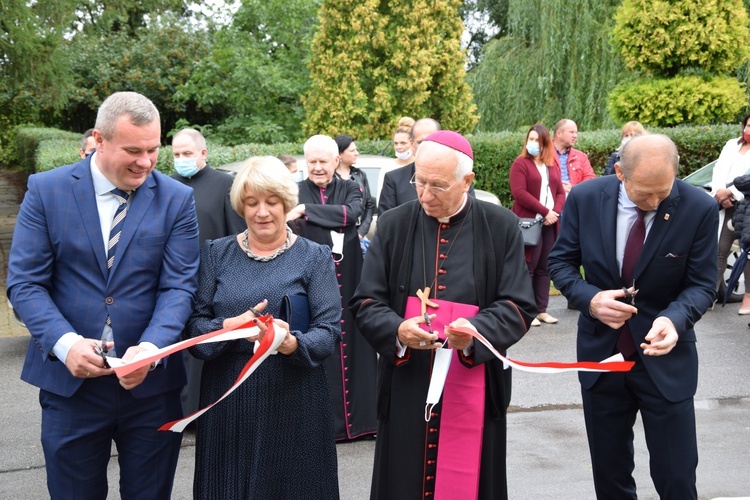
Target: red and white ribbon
[
  {"x": 145, "y": 358},
  {"x": 271, "y": 340},
  {"x": 614, "y": 363},
  {"x": 266, "y": 347}
]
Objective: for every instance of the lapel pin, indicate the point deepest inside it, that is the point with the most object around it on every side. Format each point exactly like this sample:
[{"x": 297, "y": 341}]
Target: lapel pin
[{"x": 666, "y": 216}]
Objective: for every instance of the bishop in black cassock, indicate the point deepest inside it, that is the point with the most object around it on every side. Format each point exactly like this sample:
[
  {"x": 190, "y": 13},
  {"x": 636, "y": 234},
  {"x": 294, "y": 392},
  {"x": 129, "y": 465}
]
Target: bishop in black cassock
[{"x": 466, "y": 251}]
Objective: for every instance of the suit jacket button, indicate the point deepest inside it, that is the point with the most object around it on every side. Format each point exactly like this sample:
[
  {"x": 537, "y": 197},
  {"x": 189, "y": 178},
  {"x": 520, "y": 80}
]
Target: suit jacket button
[{"x": 109, "y": 301}]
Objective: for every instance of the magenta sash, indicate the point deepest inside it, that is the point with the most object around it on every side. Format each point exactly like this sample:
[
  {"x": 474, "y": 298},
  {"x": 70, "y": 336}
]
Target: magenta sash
[{"x": 462, "y": 420}]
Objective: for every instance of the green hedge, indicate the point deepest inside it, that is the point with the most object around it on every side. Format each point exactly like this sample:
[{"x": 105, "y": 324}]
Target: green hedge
[
  {"x": 493, "y": 153},
  {"x": 28, "y": 139}
]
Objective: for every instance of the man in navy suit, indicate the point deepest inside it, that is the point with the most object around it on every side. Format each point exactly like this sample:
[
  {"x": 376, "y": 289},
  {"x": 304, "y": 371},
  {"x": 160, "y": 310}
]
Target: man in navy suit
[
  {"x": 74, "y": 302},
  {"x": 654, "y": 312}
]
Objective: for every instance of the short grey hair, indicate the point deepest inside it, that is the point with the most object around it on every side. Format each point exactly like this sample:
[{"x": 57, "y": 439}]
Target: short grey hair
[
  {"x": 194, "y": 135},
  {"x": 137, "y": 106},
  {"x": 263, "y": 175},
  {"x": 324, "y": 142}
]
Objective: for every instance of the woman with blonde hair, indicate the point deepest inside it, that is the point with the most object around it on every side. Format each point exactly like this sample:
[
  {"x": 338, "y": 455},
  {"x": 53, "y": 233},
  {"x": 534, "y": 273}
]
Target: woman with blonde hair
[
  {"x": 273, "y": 436},
  {"x": 403, "y": 144},
  {"x": 629, "y": 130}
]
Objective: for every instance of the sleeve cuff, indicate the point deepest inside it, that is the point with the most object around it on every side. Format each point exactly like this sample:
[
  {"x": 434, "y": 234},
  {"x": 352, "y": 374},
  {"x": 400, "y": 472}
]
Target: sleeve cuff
[{"x": 63, "y": 345}]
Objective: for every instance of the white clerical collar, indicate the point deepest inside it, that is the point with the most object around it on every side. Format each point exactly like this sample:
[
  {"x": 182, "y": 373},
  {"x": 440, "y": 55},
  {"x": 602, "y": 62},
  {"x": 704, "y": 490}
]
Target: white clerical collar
[{"x": 444, "y": 220}]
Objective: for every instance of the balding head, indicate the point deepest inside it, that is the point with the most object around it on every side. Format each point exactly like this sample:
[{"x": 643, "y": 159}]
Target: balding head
[
  {"x": 647, "y": 169},
  {"x": 565, "y": 134},
  {"x": 421, "y": 129}
]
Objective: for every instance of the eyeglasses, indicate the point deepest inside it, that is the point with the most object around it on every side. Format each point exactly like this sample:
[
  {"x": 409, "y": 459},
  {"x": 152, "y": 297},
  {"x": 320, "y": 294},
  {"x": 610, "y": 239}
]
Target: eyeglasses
[{"x": 435, "y": 190}]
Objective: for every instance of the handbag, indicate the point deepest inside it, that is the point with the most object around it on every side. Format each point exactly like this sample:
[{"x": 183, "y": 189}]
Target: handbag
[{"x": 531, "y": 230}]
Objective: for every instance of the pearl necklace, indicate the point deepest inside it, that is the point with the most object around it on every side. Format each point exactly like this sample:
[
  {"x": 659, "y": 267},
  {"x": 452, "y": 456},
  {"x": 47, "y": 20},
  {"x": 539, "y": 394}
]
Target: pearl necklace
[{"x": 266, "y": 258}]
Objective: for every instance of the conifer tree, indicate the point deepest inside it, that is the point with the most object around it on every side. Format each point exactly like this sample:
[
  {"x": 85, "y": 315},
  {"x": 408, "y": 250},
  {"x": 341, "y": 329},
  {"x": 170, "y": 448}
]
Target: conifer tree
[
  {"x": 680, "y": 52},
  {"x": 376, "y": 60}
]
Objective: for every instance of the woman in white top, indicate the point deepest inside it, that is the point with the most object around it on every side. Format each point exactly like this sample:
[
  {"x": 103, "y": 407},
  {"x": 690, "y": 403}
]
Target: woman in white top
[{"x": 733, "y": 161}]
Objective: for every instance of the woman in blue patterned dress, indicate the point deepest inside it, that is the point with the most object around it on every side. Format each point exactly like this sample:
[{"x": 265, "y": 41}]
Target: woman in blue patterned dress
[{"x": 273, "y": 437}]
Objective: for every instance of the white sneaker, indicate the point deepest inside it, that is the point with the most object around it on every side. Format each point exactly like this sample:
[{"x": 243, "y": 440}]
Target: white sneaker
[{"x": 536, "y": 322}]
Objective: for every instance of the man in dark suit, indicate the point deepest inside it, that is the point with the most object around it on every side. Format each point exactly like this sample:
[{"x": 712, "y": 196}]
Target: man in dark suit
[
  {"x": 105, "y": 254},
  {"x": 640, "y": 298},
  {"x": 397, "y": 188}
]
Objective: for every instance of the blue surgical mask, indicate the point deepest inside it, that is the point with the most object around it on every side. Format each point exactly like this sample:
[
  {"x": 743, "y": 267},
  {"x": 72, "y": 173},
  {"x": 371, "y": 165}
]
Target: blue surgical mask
[
  {"x": 533, "y": 148},
  {"x": 298, "y": 176},
  {"x": 186, "y": 167}
]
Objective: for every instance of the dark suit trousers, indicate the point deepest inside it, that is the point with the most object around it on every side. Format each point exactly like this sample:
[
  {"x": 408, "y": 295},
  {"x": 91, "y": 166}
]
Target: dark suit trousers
[
  {"x": 77, "y": 435},
  {"x": 610, "y": 408}
]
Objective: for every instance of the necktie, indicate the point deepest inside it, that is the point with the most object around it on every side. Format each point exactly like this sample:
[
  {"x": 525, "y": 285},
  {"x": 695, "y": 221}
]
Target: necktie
[
  {"x": 117, "y": 223},
  {"x": 633, "y": 247},
  {"x": 114, "y": 236}
]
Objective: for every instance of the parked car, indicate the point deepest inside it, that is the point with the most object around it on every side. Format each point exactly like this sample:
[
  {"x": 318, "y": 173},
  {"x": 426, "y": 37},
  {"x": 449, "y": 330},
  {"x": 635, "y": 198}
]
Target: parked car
[
  {"x": 371, "y": 166},
  {"x": 701, "y": 178}
]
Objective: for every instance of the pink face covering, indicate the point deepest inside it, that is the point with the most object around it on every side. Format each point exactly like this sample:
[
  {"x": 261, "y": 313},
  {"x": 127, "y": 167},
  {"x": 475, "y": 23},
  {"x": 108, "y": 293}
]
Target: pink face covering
[{"x": 746, "y": 136}]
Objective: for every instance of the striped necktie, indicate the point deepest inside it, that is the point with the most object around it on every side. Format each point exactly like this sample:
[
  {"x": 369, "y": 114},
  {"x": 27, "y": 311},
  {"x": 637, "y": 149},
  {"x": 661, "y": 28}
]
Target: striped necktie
[
  {"x": 114, "y": 236},
  {"x": 117, "y": 223}
]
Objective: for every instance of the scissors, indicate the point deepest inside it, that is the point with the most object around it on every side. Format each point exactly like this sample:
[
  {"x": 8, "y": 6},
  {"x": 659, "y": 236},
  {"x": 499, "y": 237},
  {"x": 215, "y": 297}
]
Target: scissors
[
  {"x": 102, "y": 351},
  {"x": 630, "y": 295}
]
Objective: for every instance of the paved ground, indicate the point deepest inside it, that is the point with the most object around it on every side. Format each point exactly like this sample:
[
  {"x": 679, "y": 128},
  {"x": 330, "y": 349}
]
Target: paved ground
[{"x": 547, "y": 453}]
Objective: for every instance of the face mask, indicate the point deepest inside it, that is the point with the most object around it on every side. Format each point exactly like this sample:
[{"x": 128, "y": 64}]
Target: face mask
[
  {"x": 186, "y": 167},
  {"x": 746, "y": 137},
  {"x": 532, "y": 148},
  {"x": 624, "y": 141},
  {"x": 298, "y": 176},
  {"x": 404, "y": 155}
]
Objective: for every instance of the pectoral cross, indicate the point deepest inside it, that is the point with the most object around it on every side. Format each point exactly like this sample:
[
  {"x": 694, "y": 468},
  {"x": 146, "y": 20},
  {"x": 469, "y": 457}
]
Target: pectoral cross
[{"x": 424, "y": 297}]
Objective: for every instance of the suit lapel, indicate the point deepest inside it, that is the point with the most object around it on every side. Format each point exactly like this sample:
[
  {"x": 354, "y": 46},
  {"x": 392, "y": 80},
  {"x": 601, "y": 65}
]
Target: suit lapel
[
  {"x": 83, "y": 192},
  {"x": 142, "y": 199},
  {"x": 608, "y": 214},
  {"x": 659, "y": 228}
]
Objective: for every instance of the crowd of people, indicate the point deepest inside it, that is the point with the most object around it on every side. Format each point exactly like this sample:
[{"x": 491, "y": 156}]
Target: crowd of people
[{"x": 112, "y": 258}]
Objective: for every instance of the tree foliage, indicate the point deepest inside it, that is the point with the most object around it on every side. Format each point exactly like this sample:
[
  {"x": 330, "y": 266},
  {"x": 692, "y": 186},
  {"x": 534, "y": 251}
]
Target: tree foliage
[
  {"x": 666, "y": 102},
  {"x": 689, "y": 47},
  {"x": 555, "y": 62},
  {"x": 155, "y": 60},
  {"x": 484, "y": 20},
  {"x": 252, "y": 81},
  {"x": 376, "y": 60},
  {"x": 663, "y": 37},
  {"x": 33, "y": 64}
]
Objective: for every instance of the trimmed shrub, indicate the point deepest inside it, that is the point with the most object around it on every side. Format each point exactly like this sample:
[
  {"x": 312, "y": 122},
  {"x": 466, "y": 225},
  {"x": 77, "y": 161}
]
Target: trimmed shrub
[
  {"x": 53, "y": 153},
  {"x": 666, "y": 102},
  {"x": 28, "y": 139}
]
